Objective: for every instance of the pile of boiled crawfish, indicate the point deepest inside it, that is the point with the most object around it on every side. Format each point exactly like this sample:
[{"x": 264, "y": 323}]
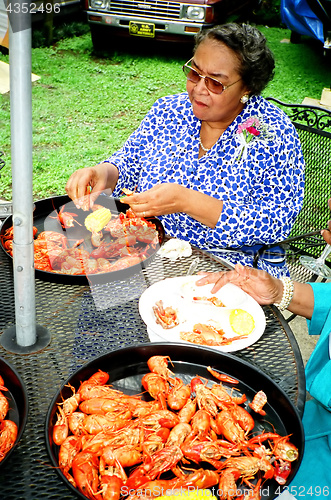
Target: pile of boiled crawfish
[
  {"x": 189, "y": 436},
  {"x": 8, "y": 428},
  {"x": 131, "y": 240}
]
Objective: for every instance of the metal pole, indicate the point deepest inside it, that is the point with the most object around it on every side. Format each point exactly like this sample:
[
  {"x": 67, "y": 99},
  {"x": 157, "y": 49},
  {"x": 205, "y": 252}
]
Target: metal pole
[{"x": 21, "y": 151}]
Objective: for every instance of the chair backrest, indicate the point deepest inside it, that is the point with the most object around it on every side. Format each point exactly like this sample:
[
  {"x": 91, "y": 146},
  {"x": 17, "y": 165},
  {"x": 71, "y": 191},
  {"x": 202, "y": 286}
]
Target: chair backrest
[{"x": 313, "y": 125}]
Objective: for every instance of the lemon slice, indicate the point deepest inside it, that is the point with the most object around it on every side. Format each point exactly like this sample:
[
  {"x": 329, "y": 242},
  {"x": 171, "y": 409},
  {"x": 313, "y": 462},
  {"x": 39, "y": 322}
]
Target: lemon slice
[{"x": 241, "y": 322}]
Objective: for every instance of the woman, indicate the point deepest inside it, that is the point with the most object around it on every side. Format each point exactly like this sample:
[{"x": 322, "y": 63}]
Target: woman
[
  {"x": 312, "y": 301},
  {"x": 218, "y": 164}
]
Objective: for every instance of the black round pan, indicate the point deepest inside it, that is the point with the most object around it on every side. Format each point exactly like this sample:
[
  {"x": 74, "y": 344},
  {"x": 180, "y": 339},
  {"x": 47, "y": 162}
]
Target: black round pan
[
  {"x": 127, "y": 366},
  {"x": 18, "y": 401},
  {"x": 45, "y": 218}
]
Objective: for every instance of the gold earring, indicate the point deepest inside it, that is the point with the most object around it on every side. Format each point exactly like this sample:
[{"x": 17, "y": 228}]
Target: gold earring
[{"x": 244, "y": 99}]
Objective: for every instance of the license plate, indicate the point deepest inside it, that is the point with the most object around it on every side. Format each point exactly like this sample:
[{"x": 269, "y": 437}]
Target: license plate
[{"x": 142, "y": 29}]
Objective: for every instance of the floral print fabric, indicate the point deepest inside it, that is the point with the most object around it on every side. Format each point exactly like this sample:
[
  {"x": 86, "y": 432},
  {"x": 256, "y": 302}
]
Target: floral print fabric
[{"x": 262, "y": 191}]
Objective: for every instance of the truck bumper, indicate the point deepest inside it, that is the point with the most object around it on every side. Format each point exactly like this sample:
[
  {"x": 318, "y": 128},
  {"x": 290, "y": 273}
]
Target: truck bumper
[{"x": 157, "y": 29}]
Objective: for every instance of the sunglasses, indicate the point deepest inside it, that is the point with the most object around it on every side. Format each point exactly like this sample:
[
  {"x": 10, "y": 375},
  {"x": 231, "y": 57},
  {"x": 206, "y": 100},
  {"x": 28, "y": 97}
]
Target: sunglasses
[{"x": 212, "y": 84}]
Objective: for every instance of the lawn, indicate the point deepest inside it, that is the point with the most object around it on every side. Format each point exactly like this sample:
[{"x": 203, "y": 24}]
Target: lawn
[{"x": 86, "y": 104}]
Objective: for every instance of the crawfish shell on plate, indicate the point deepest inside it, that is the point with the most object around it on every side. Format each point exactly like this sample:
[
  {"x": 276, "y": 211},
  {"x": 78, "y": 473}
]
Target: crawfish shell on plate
[{"x": 127, "y": 366}]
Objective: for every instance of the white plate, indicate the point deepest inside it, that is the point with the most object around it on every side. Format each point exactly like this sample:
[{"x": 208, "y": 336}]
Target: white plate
[{"x": 179, "y": 292}]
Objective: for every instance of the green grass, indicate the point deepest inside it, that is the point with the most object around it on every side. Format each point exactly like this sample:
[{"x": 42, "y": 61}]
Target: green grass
[{"x": 86, "y": 104}]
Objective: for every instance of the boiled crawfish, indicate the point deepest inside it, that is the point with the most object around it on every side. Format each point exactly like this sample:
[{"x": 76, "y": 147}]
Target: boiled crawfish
[
  {"x": 123, "y": 444},
  {"x": 8, "y": 428}
]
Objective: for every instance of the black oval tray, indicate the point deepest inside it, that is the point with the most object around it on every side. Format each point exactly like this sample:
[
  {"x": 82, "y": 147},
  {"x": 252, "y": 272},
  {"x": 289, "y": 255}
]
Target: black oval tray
[
  {"x": 18, "y": 401},
  {"x": 127, "y": 366},
  {"x": 44, "y": 218}
]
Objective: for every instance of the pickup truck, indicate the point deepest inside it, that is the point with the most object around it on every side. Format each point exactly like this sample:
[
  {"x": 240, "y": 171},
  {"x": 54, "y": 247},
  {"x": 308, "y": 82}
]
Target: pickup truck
[{"x": 174, "y": 20}]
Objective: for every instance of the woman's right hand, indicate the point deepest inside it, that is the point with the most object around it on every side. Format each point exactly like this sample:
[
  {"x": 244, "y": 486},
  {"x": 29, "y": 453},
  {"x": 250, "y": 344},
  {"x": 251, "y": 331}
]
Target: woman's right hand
[{"x": 86, "y": 184}]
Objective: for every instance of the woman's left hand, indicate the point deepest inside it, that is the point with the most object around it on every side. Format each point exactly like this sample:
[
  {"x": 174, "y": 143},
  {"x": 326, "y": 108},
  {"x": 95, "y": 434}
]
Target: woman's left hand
[
  {"x": 161, "y": 199},
  {"x": 260, "y": 285}
]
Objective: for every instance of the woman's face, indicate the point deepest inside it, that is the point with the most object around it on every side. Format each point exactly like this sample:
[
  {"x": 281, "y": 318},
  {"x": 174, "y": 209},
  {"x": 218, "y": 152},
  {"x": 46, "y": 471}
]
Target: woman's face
[{"x": 214, "y": 59}]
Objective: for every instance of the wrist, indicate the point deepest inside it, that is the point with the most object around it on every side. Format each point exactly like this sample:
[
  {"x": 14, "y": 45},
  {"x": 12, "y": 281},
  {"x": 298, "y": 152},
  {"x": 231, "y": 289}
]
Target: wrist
[{"x": 285, "y": 294}]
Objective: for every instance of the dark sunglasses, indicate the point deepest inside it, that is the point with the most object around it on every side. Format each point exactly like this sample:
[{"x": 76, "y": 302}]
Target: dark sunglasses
[{"x": 212, "y": 84}]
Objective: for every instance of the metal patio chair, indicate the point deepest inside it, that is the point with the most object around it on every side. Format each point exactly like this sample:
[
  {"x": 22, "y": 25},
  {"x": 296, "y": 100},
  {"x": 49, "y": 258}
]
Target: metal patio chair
[{"x": 313, "y": 124}]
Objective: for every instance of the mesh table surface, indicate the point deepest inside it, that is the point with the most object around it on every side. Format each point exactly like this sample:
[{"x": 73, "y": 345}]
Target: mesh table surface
[{"x": 85, "y": 323}]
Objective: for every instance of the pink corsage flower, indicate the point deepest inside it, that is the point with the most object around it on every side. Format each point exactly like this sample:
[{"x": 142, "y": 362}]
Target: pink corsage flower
[{"x": 247, "y": 131}]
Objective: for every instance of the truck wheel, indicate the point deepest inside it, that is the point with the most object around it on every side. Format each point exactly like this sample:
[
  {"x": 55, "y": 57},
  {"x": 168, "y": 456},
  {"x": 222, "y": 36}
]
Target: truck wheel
[{"x": 99, "y": 39}]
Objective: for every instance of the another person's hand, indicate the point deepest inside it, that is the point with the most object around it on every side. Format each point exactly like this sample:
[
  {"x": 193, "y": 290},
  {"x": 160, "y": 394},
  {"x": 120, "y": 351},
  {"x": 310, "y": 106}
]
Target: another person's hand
[
  {"x": 260, "y": 285},
  {"x": 161, "y": 199},
  {"x": 85, "y": 185}
]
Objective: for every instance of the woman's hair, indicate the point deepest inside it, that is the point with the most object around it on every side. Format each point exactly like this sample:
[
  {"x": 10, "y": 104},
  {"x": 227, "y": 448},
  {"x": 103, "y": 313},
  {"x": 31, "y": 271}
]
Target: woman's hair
[{"x": 256, "y": 61}]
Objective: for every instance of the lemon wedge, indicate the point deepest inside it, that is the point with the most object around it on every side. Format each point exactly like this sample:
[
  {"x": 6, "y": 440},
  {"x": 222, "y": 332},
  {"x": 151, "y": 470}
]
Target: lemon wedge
[
  {"x": 241, "y": 322},
  {"x": 197, "y": 494}
]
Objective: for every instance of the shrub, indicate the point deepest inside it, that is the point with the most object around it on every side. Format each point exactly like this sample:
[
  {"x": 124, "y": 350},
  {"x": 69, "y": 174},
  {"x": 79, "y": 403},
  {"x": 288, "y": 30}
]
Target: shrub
[{"x": 268, "y": 13}]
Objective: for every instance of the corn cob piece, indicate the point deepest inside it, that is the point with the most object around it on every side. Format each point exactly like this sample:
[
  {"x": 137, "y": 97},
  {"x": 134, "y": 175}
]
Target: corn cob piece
[{"x": 97, "y": 220}]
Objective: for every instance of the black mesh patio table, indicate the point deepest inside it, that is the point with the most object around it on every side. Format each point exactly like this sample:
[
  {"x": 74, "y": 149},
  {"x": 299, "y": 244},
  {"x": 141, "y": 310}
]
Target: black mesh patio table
[{"x": 87, "y": 322}]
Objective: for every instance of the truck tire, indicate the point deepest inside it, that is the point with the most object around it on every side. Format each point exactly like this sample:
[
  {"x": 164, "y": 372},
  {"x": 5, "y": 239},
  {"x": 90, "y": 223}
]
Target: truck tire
[{"x": 99, "y": 37}]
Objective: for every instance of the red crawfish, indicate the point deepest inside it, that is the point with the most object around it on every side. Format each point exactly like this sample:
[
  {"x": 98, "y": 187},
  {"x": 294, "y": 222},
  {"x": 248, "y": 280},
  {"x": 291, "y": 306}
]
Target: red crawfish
[
  {"x": 178, "y": 395},
  {"x": 8, "y": 435},
  {"x": 66, "y": 219},
  {"x": 157, "y": 387},
  {"x": 162, "y": 461},
  {"x": 85, "y": 467},
  {"x": 61, "y": 427},
  {"x": 209, "y": 451},
  {"x": 281, "y": 446},
  {"x": 259, "y": 400},
  {"x": 159, "y": 365}
]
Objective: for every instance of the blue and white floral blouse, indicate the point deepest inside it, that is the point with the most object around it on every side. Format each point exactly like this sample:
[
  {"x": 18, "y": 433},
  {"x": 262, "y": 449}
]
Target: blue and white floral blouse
[{"x": 262, "y": 189}]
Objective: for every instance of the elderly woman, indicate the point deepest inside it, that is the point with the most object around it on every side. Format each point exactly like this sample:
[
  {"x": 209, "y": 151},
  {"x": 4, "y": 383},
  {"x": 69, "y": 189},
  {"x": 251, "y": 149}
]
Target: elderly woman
[
  {"x": 219, "y": 165},
  {"x": 312, "y": 301}
]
